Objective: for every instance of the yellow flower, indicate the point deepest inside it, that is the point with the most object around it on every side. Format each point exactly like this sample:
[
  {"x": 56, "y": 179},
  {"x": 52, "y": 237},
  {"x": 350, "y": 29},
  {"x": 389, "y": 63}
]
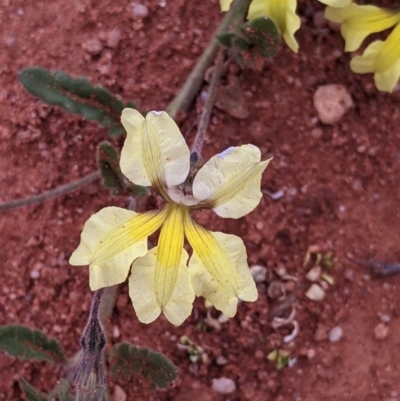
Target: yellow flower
[
  {"x": 114, "y": 240},
  {"x": 382, "y": 59},
  {"x": 282, "y": 12},
  {"x": 360, "y": 21},
  {"x": 336, "y": 3}
]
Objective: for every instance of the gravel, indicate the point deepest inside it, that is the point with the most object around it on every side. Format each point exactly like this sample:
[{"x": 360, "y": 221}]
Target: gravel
[{"x": 223, "y": 385}]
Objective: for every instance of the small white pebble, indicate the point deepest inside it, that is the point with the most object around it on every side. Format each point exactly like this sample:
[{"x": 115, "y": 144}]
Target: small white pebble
[
  {"x": 223, "y": 385},
  {"x": 139, "y": 10},
  {"x": 335, "y": 334},
  {"x": 331, "y": 102},
  {"x": 313, "y": 274},
  {"x": 381, "y": 331},
  {"x": 384, "y": 318},
  {"x": 35, "y": 274},
  {"x": 115, "y": 332},
  {"x": 221, "y": 360},
  {"x": 311, "y": 353},
  {"x": 315, "y": 293},
  {"x": 259, "y": 273}
]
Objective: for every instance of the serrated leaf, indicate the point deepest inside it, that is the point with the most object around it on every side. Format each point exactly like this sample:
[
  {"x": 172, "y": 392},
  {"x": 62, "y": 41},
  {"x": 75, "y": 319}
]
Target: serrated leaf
[
  {"x": 262, "y": 33},
  {"x": 226, "y": 39},
  {"x": 21, "y": 341},
  {"x": 108, "y": 162},
  {"x": 76, "y": 95},
  {"x": 143, "y": 365},
  {"x": 110, "y": 171},
  {"x": 116, "y": 131},
  {"x": 240, "y": 44},
  {"x": 31, "y": 393}
]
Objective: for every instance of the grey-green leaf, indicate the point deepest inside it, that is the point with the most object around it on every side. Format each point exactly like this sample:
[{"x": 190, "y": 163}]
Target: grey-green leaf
[
  {"x": 21, "y": 341},
  {"x": 226, "y": 39},
  {"x": 110, "y": 171},
  {"x": 31, "y": 393},
  {"x": 262, "y": 33},
  {"x": 108, "y": 162},
  {"x": 76, "y": 95},
  {"x": 142, "y": 364}
]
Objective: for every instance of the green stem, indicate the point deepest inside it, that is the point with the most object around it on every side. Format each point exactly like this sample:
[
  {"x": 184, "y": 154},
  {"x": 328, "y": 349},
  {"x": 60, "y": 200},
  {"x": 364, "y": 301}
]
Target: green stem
[
  {"x": 58, "y": 191},
  {"x": 185, "y": 97}
]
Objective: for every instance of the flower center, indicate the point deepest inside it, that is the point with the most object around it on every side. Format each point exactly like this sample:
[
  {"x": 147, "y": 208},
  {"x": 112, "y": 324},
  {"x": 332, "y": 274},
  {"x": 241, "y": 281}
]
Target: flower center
[{"x": 178, "y": 195}]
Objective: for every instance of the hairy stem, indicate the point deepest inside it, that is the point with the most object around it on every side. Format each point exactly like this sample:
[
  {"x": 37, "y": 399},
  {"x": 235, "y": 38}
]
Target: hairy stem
[
  {"x": 185, "y": 97},
  {"x": 58, "y": 191},
  {"x": 89, "y": 378}
]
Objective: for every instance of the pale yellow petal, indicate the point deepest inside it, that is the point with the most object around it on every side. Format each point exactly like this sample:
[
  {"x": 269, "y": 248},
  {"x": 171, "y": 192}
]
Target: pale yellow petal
[
  {"x": 389, "y": 54},
  {"x": 111, "y": 240},
  {"x": 387, "y": 80},
  {"x": 283, "y": 13},
  {"x": 219, "y": 269},
  {"x": 225, "y": 4},
  {"x": 229, "y": 182},
  {"x": 154, "y": 152},
  {"x": 260, "y": 8},
  {"x": 292, "y": 26},
  {"x": 141, "y": 287},
  {"x": 160, "y": 281},
  {"x": 382, "y": 59},
  {"x": 336, "y": 3},
  {"x": 360, "y": 21},
  {"x": 366, "y": 63}
]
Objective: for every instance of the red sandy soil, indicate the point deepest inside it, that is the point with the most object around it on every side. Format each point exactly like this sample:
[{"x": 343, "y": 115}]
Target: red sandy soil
[{"x": 340, "y": 188}]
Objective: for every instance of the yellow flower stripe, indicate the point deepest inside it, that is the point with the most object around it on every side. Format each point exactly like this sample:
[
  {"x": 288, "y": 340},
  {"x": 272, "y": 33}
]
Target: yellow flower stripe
[
  {"x": 154, "y": 152},
  {"x": 169, "y": 253},
  {"x": 360, "y": 21},
  {"x": 382, "y": 59},
  {"x": 127, "y": 234},
  {"x": 218, "y": 268},
  {"x": 229, "y": 182}
]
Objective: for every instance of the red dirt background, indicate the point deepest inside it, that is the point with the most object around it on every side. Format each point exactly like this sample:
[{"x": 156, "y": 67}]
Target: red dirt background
[{"x": 340, "y": 188}]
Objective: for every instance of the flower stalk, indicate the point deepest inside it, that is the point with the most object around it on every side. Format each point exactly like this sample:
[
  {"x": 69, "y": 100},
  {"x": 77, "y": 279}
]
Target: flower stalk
[
  {"x": 191, "y": 87},
  {"x": 54, "y": 193},
  {"x": 207, "y": 109},
  {"x": 89, "y": 378},
  {"x": 164, "y": 279}
]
